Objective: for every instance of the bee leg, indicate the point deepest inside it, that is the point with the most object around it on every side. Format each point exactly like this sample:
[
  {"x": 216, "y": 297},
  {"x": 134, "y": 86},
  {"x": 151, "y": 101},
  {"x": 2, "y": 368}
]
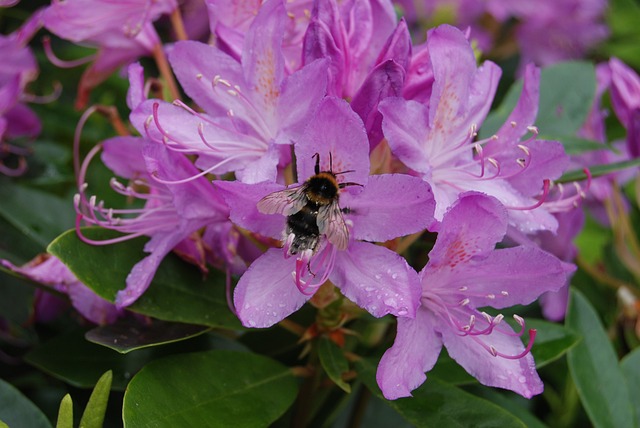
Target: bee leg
[{"x": 343, "y": 185}]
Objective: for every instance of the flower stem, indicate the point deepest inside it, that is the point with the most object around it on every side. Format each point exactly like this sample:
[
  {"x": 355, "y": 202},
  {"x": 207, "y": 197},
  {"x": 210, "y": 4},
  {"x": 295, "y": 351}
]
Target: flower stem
[
  {"x": 165, "y": 71},
  {"x": 178, "y": 24}
]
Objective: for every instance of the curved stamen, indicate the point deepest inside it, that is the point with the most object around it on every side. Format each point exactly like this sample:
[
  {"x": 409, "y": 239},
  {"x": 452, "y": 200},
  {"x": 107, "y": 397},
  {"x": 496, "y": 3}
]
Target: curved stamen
[
  {"x": 543, "y": 197},
  {"x": 48, "y": 51},
  {"x": 532, "y": 338},
  {"x": 44, "y": 99},
  {"x": 196, "y": 176}
]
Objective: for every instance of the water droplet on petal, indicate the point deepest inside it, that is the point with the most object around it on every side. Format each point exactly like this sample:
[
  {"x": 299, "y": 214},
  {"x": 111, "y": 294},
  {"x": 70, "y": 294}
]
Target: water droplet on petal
[
  {"x": 390, "y": 302},
  {"x": 378, "y": 276},
  {"x": 402, "y": 312},
  {"x": 251, "y": 323},
  {"x": 522, "y": 379},
  {"x": 369, "y": 289},
  {"x": 394, "y": 276}
]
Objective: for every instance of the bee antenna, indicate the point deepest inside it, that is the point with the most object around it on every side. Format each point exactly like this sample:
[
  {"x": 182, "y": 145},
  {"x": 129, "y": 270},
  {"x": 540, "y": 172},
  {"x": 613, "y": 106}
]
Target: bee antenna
[
  {"x": 330, "y": 162},
  {"x": 317, "y": 168}
]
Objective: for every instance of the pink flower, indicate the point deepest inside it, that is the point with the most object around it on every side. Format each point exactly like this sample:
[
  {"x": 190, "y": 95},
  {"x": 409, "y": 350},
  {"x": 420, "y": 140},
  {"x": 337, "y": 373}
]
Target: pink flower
[
  {"x": 337, "y": 245},
  {"x": 50, "y": 271},
  {"x": 465, "y": 272},
  {"x": 437, "y": 139}
]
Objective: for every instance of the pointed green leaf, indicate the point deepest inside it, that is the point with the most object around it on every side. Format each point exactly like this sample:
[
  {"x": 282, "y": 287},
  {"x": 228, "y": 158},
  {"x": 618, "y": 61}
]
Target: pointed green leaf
[
  {"x": 38, "y": 215},
  {"x": 129, "y": 334},
  {"x": 630, "y": 366},
  {"x": 177, "y": 293},
  {"x": 567, "y": 91},
  {"x": 16, "y": 410},
  {"x": 594, "y": 368},
  {"x": 552, "y": 341},
  {"x": 93, "y": 415},
  {"x": 575, "y": 145},
  {"x": 71, "y": 358},
  {"x": 213, "y": 389},
  {"x": 65, "y": 414},
  {"x": 334, "y": 362},
  {"x": 439, "y": 404}
]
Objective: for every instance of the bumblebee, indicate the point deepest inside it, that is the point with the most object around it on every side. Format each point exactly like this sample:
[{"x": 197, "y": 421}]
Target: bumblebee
[{"x": 312, "y": 210}]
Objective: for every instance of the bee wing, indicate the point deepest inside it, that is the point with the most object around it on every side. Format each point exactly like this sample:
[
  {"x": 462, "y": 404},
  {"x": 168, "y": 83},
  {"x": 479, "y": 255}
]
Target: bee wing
[
  {"x": 331, "y": 223},
  {"x": 285, "y": 202}
]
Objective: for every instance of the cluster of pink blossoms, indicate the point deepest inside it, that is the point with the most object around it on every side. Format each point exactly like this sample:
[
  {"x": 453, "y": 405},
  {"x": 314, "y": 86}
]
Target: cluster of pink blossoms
[{"x": 337, "y": 92}]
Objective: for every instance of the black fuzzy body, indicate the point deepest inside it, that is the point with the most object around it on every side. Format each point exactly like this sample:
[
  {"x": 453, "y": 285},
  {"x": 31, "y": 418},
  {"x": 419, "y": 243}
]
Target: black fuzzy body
[{"x": 320, "y": 190}]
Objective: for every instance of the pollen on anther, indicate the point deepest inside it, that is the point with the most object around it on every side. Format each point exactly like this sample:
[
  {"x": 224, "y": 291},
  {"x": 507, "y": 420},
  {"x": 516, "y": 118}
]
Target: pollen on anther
[
  {"x": 504, "y": 293},
  {"x": 464, "y": 302},
  {"x": 514, "y": 123},
  {"x": 491, "y": 296},
  {"x": 463, "y": 288},
  {"x": 199, "y": 76}
]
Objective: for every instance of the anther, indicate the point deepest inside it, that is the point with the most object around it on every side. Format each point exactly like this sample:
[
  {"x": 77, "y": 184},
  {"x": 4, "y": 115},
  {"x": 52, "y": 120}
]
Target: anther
[
  {"x": 514, "y": 123},
  {"x": 464, "y": 302}
]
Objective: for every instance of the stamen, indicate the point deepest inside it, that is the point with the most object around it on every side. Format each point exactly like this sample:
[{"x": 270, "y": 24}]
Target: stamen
[
  {"x": 53, "y": 58},
  {"x": 543, "y": 197}
]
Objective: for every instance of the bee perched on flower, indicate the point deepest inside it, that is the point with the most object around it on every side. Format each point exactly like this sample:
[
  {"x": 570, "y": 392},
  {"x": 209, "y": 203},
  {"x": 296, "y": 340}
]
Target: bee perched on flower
[
  {"x": 324, "y": 238},
  {"x": 312, "y": 210}
]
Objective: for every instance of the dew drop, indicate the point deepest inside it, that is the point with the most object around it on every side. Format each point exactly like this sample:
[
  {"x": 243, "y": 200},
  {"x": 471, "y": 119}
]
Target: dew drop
[
  {"x": 281, "y": 305},
  {"x": 522, "y": 379},
  {"x": 247, "y": 306},
  {"x": 251, "y": 323},
  {"x": 369, "y": 289},
  {"x": 402, "y": 312},
  {"x": 394, "y": 276},
  {"x": 390, "y": 302},
  {"x": 378, "y": 276}
]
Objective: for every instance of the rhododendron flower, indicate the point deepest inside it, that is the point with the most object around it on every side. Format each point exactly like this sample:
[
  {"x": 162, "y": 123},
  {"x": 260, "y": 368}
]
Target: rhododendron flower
[
  {"x": 369, "y": 58},
  {"x": 625, "y": 99},
  {"x": 375, "y": 208},
  {"x": 121, "y": 30},
  {"x": 230, "y": 21},
  {"x": 253, "y": 110},
  {"x": 172, "y": 214},
  {"x": 465, "y": 272},
  {"x": 570, "y": 28},
  {"x": 437, "y": 139},
  {"x": 17, "y": 69},
  {"x": 49, "y": 270}
]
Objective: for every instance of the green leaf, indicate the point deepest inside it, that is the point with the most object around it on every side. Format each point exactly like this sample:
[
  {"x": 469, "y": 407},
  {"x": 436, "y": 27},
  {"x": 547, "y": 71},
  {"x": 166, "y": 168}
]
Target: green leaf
[
  {"x": 594, "y": 368},
  {"x": 597, "y": 170},
  {"x": 65, "y": 414},
  {"x": 439, "y": 404},
  {"x": 213, "y": 389},
  {"x": 552, "y": 341},
  {"x": 129, "y": 334},
  {"x": 508, "y": 401},
  {"x": 334, "y": 362},
  {"x": 447, "y": 370},
  {"x": 40, "y": 216},
  {"x": 567, "y": 91},
  {"x": 16, "y": 410},
  {"x": 575, "y": 145},
  {"x": 93, "y": 415},
  {"x": 630, "y": 366},
  {"x": 177, "y": 293},
  {"x": 71, "y": 358}
]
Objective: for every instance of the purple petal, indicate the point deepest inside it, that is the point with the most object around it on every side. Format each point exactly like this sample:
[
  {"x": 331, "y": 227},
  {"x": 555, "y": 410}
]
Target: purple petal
[
  {"x": 262, "y": 58},
  {"x": 123, "y": 156},
  {"x": 554, "y": 304},
  {"x": 91, "y": 306},
  {"x": 454, "y": 66},
  {"x": 337, "y": 131},
  {"x": 511, "y": 276},
  {"x": 135, "y": 94},
  {"x": 242, "y": 199},
  {"x": 301, "y": 93},
  {"x": 523, "y": 115},
  {"x": 143, "y": 272},
  {"x": 389, "y": 206},
  {"x": 377, "y": 279},
  {"x": 518, "y": 375},
  {"x": 414, "y": 352},
  {"x": 397, "y": 47},
  {"x": 471, "y": 227},
  {"x": 405, "y": 125},
  {"x": 386, "y": 80},
  {"x": 266, "y": 293},
  {"x": 196, "y": 65},
  {"x": 325, "y": 38}
]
